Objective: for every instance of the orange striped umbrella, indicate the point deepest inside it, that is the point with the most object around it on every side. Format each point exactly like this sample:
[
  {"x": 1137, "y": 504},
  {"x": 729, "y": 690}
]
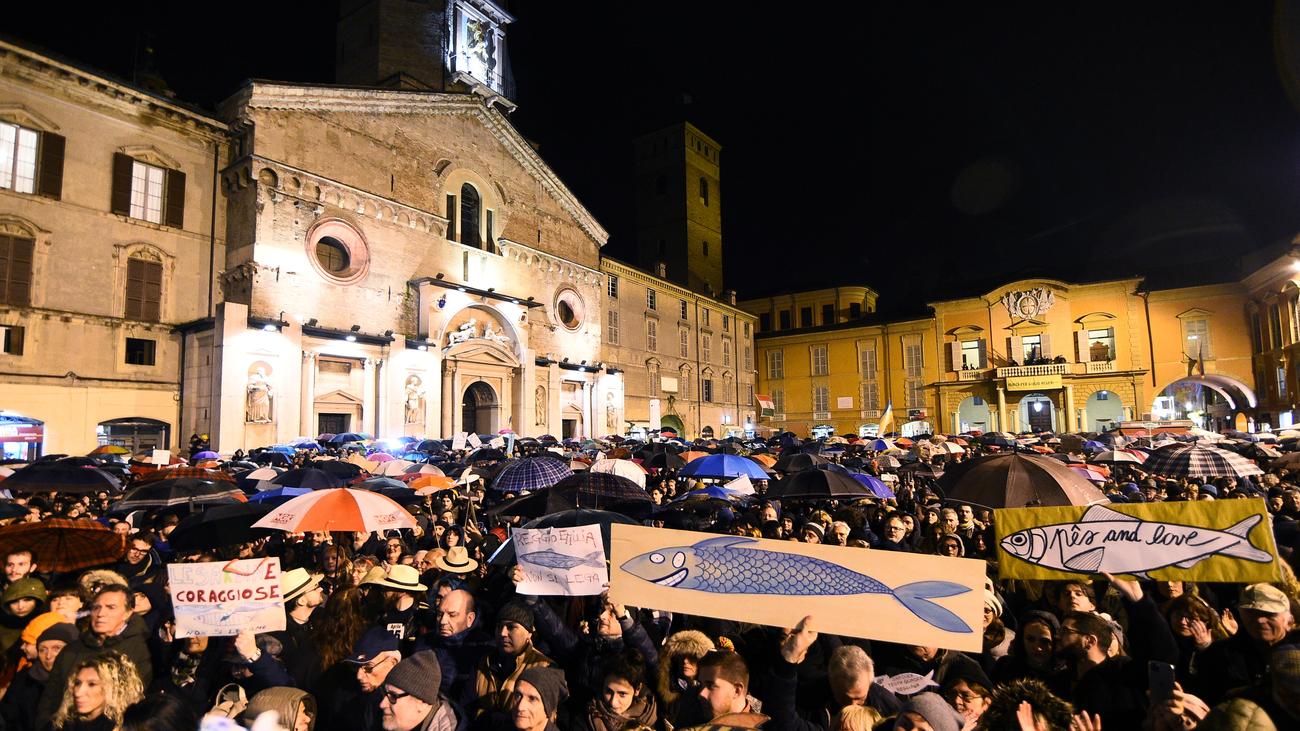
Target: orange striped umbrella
[{"x": 337, "y": 509}]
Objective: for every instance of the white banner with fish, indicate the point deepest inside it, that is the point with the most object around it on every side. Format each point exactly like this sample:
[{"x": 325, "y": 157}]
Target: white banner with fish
[
  {"x": 220, "y": 598},
  {"x": 909, "y": 598},
  {"x": 561, "y": 561},
  {"x": 1218, "y": 540}
]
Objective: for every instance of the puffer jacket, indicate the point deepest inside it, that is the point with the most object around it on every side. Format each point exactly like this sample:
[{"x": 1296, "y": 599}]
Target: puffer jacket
[
  {"x": 1238, "y": 714},
  {"x": 689, "y": 643},
  {"x": 493, "y": 694}
]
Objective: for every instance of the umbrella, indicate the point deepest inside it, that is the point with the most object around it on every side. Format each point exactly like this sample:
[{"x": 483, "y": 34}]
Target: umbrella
[
  {"x": 342, "y": 469},
  {"x": 430, "y": 446},
  {"x": 220, "y": 525},
  {"x": 110, "y": 449},
  {"x": 487, "y": 455},
  {"x": 11, "y": 510},
  {"x": 599, "y": 490},
  {"x": 820, "y": 485},
  {"x": 923, "y": 469},
  {"x": 665, "y": 461},
  {"x": 262, "y": 478},
  {"x": 315, "y": 479},
  {"x": 880, "y": 445},
  {"x": 530, "y": 473},
  {"x": 339, "y": 509},
  {"x": 691, "y": 456},
  {"x": 565, "y": 519},
  {"x": 876, "y": 485},
  {"x": 1117, "y": 456},
  {"x": 179, "y": 491},
  {"x": 997, "y": 439},
  {"x": 1261, "y": 451},
  {"x": 271, "y": 458},
  {"x": 1187, "y": 460},
  {"x": 724, "y": 466},
  {"x": 53, "y": 476},
  {"x": 1287, "y": 460},
  {"x": 623, "y": 468},
  {"x": 278, "y": 495},
  {"x": 797, "y": 462},
  {"x": 1015, "y": 479},
  {"x": 346, "y": 437},
  {"x": 423, "y": 469},
  {"x": 207, "y": 454},
  {"x": 58, "y": 544}
]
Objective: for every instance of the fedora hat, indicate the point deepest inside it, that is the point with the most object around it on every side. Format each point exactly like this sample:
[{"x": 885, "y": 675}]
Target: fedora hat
[
  {"x": 457, "y": 561},
  {"x": 296, "y": 582},
  {"x": 399, "y": 577}
]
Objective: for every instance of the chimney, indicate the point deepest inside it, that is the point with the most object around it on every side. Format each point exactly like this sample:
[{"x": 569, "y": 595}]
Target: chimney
[
  {"x": 731, "y": 297},
  {"x": 661, "y": 270}
]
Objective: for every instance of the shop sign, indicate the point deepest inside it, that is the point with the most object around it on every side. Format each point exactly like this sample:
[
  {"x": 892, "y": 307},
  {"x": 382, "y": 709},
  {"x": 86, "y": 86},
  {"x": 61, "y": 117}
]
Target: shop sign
[{"x": 1033, "y": 383}]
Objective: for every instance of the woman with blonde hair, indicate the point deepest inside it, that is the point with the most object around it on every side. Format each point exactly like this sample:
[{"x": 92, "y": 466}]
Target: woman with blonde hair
[{"x": 98, "y": 692}]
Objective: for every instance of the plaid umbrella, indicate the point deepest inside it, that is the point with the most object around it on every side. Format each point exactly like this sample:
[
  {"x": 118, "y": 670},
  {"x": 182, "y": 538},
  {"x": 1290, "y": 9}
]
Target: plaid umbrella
[
  {"x": 58, "y": 544},
  {"x": 531, "y": 473},
  {"x": 179, "y": 491},
  {"x": 720, "y": 466},
  {"x": 1191, "y": 460},
  {"x": 52, "y": 476},
  {"x": 199, "y": 473}
]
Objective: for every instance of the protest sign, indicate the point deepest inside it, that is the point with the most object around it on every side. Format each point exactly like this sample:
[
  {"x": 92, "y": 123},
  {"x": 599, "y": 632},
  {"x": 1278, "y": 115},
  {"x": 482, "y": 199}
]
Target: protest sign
[
  {"x": 497, "y": 443},
  {"x": 561, "y": 561},
  {"x": 458, "y": 442},
  {"x": 1220, "y": 540},
  {"x": 161, "y": 457},
  {"x": 474, "y": 441},
  {"x": 907, "y": 598},
  {"x": 220, "y": 598}
]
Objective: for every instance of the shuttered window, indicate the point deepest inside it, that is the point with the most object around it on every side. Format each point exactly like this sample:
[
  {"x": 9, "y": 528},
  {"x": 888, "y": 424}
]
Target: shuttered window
[
  {"x": 652, "y": 335},
  {"x": 612, "y": 329},
  {"x": 31, "y": 161},
  {"x": 16, "y": 270},
  {"x": 148, "y": 192},
  {"x": 143, "y": 290},
  {"x": 469, "y": 215}
]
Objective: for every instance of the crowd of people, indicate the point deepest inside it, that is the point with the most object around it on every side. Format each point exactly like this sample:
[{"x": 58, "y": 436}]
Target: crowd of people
[{"x": 419, "y": 629}]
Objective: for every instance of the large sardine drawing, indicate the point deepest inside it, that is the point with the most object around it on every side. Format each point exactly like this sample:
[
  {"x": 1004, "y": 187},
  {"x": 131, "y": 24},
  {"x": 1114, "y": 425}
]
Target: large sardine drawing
[
  {"x": 1107, "y": 541},
  {"x": 556, "y": 560},
  {"x": 721, "y": 566}
]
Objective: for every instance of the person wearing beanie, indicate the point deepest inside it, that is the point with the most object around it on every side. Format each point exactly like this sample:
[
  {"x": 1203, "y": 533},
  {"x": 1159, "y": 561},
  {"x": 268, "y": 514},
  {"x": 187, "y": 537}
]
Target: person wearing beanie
[
  {"x": 412, "y": 699},
  {"x": 537, "y": 695},
  {"x": 812, "y": 532},
  {"x": 514, "y": 653},
  {"x": 929, "y": 711},
  {"x": 997, "y": 636},
  {"x": 18, "y": 707}
]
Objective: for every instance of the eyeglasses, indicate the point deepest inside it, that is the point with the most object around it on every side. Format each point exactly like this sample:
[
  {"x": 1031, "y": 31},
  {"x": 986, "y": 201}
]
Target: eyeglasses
[
  {"x": 394, "y": 697},
  {"x": 370, "y": 667},
  {"x": 1066, "y": 630},
  {"x": 966, "y": 697}
]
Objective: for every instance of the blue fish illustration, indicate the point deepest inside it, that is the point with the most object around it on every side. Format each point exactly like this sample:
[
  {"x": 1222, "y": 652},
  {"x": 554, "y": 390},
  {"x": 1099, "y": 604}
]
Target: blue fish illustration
[
  {"x": 553, "y": 560},
  {"x": 720, "y": 566}
]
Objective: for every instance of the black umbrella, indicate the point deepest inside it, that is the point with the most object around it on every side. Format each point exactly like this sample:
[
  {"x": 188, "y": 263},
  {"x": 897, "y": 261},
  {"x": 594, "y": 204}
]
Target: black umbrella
[
  {"x": 1014, "y": 480},
  {"x": 665, "y": 461},
  {"x": 344, "y": 470},
  {"x": 221, "y": 525},
  {"x": 271, "y": 458},
  {"x": 818, "y": 484},
  {"x": 179, "y": 491},
  {"x": 487, "y": 455},
  {"x": 922, "y": 469},
  {"x": 53, "y": 476},
  {"x": 599, "y": 490},
  {"x": 11, "y": 510},
  {"x": 566, "y": 519},
  {"x": 797, "y": 462},
  {"x": 309, "y": 477}
]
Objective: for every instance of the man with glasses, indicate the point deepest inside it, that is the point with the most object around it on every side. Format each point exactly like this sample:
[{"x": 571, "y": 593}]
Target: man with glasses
[
  {"x": 374, "y": 656},
  {"x": 895, "y": 538},
  {"x": 411, "y": 699},
  {"x": 141, "y": 564}
]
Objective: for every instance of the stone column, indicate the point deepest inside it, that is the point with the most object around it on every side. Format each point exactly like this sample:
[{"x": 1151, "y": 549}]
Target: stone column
[
  {"x": 587, "y": 430},
  {"x": 368, "y": 395},
  {"x": 1002, "y": 409},
  {"x": 307, "y": 409},
  {"x": 382, "y": 407},
  {"x": 1070, "y": 425},
  {"x": 509, "y": 405},
  {"x": 448, "y": 398},
  {"x": 553, "y": 394}
]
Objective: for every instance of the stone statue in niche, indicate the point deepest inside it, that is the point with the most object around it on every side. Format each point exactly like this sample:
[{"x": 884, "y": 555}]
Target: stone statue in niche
[
  {"x": 491, "y": 333},
  {"x": 467, "y": 331},
  {"x": 414, "y": 407},
  {"x": 540, "y": 397},
  {"x": 259, "y": 398},
  {"x": 611, "y": 417}
]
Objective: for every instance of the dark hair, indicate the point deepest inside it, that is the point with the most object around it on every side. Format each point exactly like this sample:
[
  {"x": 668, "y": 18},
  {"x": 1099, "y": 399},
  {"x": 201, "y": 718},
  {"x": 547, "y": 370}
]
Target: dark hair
[
  {"x": 628, "y": 667},
  {"x": 149, "y": 538},
  {"x": 159, "y": 712},
  {"x": 1005, "y": 702},
  {"x": 731, "y": 666},
  {"x": 1088, "y": 623},
  {"x": 119, "y": 588}
]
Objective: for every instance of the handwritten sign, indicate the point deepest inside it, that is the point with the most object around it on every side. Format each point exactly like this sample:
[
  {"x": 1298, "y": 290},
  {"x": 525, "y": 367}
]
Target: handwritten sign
[
  {"x": 497, "y": 443},
  {"x": 911, "y": 598},
  {"x": 161, "y": 457},
  {"x": 1227, "y": 540},
  {"x": 561, "y": 561},
  {"x": 906, "y": 684},
  {"x": 474, "y": 441},
  {"x": 220, "y": 598},
  {"x": 459, "y": 441}
]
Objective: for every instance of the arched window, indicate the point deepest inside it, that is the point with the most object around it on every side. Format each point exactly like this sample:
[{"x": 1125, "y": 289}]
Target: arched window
[{"x": 470, "y": 203}]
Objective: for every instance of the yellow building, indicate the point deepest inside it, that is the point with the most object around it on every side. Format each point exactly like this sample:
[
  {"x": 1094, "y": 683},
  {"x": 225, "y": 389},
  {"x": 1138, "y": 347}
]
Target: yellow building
[{"x": 1032, "y": 355}]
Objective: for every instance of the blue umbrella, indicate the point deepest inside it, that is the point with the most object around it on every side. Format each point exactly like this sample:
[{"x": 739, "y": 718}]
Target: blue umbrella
[
  {"x": 347, "y": 437},
  {"x": 712, "y": 491},
  {"x": 724, "y": 466},
  {"x": 532, "y": 473},
  {"x": 1092, "y": 446},
  {"x": 207, "y": 454},
  {"x": 282, "y": 449},
  {"x": 314, "y": 446},
  {"x": 278, "y": 495},
  {"x": 874, "y": 484}
]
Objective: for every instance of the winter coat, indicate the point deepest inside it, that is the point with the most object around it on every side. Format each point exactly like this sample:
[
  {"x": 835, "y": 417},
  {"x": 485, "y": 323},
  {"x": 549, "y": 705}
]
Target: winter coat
[
  {"x": 640, "y": 716},
  {"x": 18, "y": 708},
  {"x": 281, "y": 700},
  {"x": 493, "y": 693},
  {"x": 130, "y": 642},
  {"x": 687, "y": 642}
]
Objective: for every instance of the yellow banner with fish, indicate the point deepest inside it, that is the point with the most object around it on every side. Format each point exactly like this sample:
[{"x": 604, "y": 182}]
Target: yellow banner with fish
[
  {"x": 1212, "y": 540},
  {"x": 910, "y": 598}
]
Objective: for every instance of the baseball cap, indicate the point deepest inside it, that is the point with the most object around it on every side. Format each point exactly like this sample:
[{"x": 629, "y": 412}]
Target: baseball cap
[
  {"x": 376, "y": 640},
  {"x": 1264, "y": 598}
]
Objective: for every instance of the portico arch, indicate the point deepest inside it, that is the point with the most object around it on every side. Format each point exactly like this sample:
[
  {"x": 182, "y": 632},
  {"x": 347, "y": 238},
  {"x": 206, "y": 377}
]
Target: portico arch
[{"x": 1211, "y": 400}]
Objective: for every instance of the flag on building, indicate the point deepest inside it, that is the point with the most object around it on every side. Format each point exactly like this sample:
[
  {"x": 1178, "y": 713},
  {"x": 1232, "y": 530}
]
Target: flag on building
[
  {"x": 886, "y": 419},
  {"x": 766, "y": 406}
]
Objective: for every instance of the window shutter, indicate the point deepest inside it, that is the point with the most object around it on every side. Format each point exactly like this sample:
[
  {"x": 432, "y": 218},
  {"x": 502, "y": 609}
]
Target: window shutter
[
  {"x": 1015, "y": 348},
  {"x": 984, "y": 353},
  {"x": 175, "y": 202},
  {"x": 152, "y": 291},
  {"x": 1081, "y": 345},
  {"x": 13, "y": 340},
  {"x": 50, "y": 167},
  {"x": 954, "y": 355},
  {"x": 1046, "y": 341},
  {"x": 121, "y": 203},
  {"x": 134, "y": 289},
  {"x": 16, "y": 270}
]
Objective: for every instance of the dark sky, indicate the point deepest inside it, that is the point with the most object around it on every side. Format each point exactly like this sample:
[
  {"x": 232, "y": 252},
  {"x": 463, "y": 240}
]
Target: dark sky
[{"x": 925, "y": 149}]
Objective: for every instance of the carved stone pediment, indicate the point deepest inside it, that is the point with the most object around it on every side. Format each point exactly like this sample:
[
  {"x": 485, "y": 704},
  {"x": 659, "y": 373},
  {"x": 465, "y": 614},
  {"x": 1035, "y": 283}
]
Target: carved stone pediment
[
  {"x": 338, "y": 398},
  {"x": 483, "y": 352}
]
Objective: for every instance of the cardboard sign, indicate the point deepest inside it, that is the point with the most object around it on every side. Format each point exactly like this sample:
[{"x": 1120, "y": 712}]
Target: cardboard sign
[
  {"x": 161, "y": 457},
  {"x": 561, "y": 561},
  {"x": 497, "y": 443},
  {"x": 909, "y": 598},
  {"x": 220, "y": 598},
  {"x": 474, "y": 441},
  {"x": 741, "y": 486},
  {"x": 1220, "y": 540}
]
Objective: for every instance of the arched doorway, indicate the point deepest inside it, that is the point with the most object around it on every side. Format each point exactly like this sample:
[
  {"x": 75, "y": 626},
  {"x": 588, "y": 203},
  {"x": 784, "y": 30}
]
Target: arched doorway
[
  {"x": 1037, "y": 413},
  {"x": 1210, "y": 401},
  {"x": 672, "y": 421},
  {"x": 913, "y": 429},
  {"x": 973, "y": 413},
  {"x": 1103, "y": 411},
  {"x": 479, "y": 408},
  {"x": 137, "y": 434}
]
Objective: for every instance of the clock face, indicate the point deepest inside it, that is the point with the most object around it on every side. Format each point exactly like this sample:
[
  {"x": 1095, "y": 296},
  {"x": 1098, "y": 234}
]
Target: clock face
[{"x": 1027, "y": 306}]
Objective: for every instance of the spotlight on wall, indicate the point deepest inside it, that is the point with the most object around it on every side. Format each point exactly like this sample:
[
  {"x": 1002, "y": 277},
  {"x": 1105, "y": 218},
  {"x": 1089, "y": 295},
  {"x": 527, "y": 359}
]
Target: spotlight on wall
[
  {"x": 424, "y": 348},
  {"x": 312, "y": 322},
  {"x": 270, "y": 327},
  {"x": 351, "y": 338}
]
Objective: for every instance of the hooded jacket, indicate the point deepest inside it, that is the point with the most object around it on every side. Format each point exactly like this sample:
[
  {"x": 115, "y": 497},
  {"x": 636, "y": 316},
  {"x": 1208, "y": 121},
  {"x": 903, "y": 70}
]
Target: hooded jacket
[
  {"x": 284, "y": 701},
  {"x": 130, "y": 642},
  {"x": 690, "y": 643}
]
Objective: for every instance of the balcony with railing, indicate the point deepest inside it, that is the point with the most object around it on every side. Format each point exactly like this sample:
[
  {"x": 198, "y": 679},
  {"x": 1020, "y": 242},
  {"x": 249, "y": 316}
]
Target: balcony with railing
[
  {"x": 1047, "y": 369},
  {"x": 1099, "y": 366},
  {"x": 973, "y": 375}
]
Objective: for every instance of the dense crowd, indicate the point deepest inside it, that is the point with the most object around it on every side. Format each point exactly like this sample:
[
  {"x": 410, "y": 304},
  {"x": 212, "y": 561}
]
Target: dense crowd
[{"x": 421, "y": 629}]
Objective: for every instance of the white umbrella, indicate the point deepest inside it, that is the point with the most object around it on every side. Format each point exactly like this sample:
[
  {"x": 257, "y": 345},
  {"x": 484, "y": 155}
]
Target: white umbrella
[
  {"x": 423, "y": 469},
  {"x": 338, "y": 509},
  {"x": 394, "y": 467},
  {"x": 622, "y": 468}
]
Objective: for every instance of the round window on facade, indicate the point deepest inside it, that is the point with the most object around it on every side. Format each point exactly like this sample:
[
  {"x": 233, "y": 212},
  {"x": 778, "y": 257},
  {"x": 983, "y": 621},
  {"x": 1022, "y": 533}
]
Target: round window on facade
[
  {"x": 569, "y": 309},
  {"x": 338, "y": 251}
]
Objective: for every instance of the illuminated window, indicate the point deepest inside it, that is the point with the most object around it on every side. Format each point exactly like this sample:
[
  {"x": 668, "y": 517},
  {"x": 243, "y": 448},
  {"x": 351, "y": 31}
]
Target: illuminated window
[
  {"x": 18, "y": 158},
  {"x": 147, "y": 192}
]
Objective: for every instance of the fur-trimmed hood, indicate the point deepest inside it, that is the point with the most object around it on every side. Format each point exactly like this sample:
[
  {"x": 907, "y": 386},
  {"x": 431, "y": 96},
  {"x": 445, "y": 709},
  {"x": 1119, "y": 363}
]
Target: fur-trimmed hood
[{"x": 690, "y": 643}]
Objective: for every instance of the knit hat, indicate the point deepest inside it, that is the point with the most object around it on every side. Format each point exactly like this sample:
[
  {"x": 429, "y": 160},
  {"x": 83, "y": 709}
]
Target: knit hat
[
  {"x": 815, "y": 528},
  {"x": 550, "y": 685},
  {"x": 517, "y": 613},
  {"x": 39, "y": 624},
  {"x": 26, "y": 588},
  {"x": 419, "y": 675},
  {"x": 992, "y": 601},
  {"x": 1047, "y": 618},
  {"x": 63, "y": 631},
  {"x": 935, "y": 710}
]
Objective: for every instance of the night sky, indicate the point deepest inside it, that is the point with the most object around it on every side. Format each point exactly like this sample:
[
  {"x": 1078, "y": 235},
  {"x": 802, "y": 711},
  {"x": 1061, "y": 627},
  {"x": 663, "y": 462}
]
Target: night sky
[{"x": 925, "y": 149}]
